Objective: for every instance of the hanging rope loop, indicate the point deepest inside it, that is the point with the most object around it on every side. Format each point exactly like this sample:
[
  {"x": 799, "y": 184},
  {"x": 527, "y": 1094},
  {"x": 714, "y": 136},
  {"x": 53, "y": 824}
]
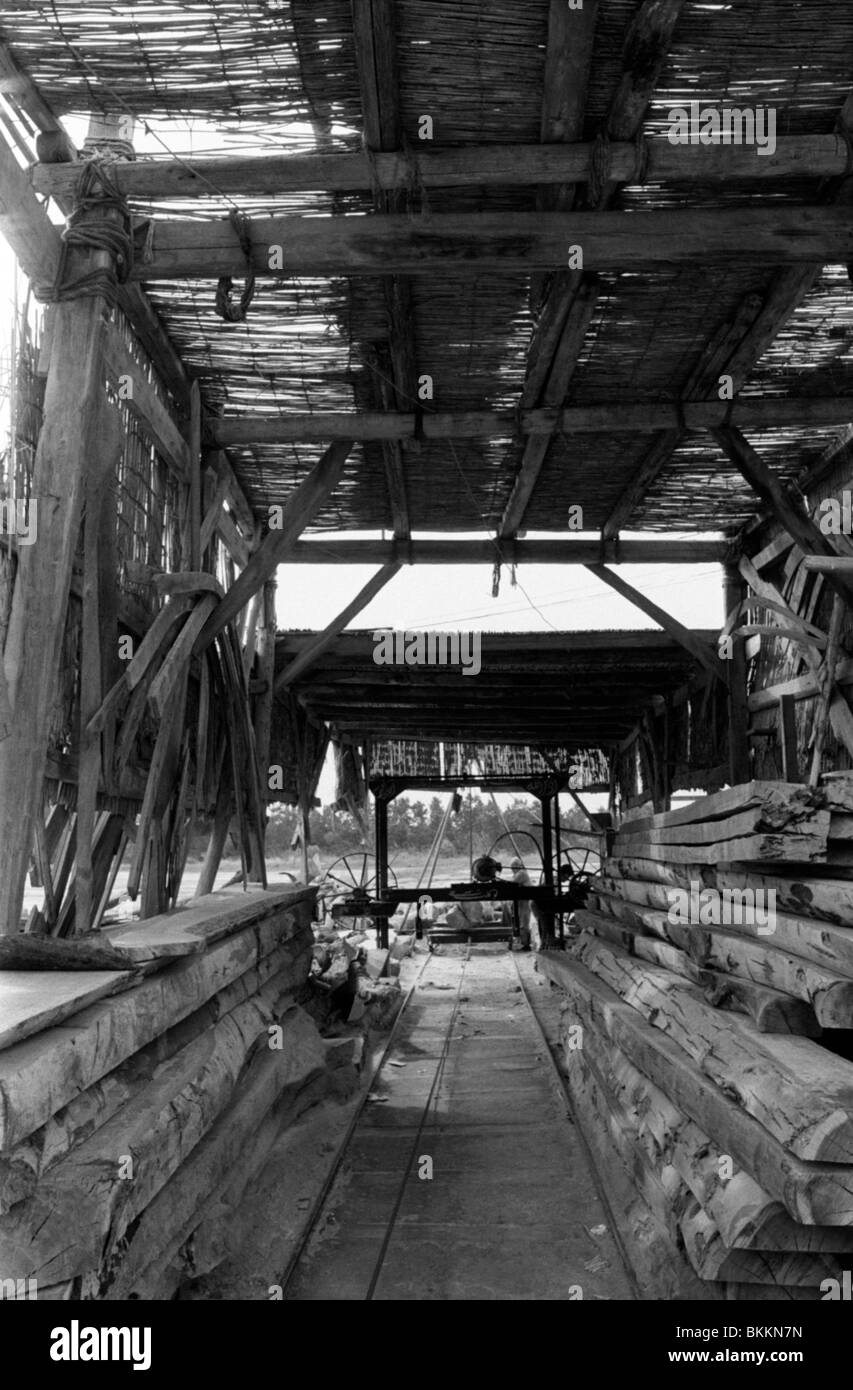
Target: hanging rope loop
[{"x": 225, "y": 306}]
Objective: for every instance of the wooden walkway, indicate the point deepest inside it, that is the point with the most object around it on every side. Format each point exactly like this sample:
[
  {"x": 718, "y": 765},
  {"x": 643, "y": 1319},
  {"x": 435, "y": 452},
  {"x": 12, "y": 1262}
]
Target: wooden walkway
[{"x": 464, "y": 1177}]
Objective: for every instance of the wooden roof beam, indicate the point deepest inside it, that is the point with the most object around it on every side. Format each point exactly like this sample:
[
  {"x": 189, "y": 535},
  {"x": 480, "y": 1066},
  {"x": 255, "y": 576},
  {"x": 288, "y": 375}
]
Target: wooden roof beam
[
  {"x": 558, "y": 551},
  {"x": 485, "y": 166},
  {"x": 697, "y": 648},
  {"x": 469, "y": 244},
  {"x": 636, "y": 417}
]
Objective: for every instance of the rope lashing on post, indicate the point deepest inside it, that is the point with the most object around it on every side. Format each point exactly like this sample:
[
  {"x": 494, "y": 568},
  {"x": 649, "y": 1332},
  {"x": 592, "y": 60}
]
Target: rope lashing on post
[
  {"x": 97, "y": 191},
  {"x": 225, "y": 306}
]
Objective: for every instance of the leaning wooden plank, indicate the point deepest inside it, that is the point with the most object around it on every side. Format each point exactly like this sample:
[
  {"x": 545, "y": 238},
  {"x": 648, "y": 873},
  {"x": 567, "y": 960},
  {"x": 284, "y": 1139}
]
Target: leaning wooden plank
[
  {"x": 86, "y": 1200},
  {"x": 187, "y": 582},
  {"x": 755, "y": 821},
  {"x": 747, "y": 1217},
  {"x": 22, "y": 1166},
  {"x": 179, "y": 653},
  {"x": 34, "y": 1000},
  {"x": 276, "y": 1076},
  {"x": 797, "y": 849},
  {"x": 800, "y": 1093},
  {"x": 41, "y": 1074},
  {"x": 817, "y": 1194}
]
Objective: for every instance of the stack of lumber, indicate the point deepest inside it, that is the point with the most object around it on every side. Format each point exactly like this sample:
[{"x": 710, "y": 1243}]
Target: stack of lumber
[
  {"x": 704, "y": 1036},
  {"x": 144, "y": 1075}
]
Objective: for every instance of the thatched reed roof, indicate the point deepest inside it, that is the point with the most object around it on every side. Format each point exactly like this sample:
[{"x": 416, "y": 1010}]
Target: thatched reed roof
[{"x": 255, "y": 69}]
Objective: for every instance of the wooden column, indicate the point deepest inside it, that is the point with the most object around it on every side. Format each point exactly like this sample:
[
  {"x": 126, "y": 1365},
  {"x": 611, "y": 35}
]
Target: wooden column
[
  {"x": 67, "y": 444},
  {"x": 739, "y": 764},
  {"x": 547, "y": 917},
  {"x": 381, "y": 851}
]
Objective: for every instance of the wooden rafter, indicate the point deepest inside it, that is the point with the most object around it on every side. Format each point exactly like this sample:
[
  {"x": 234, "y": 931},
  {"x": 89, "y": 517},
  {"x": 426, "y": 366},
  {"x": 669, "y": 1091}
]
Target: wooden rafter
[
  {"x": 572, "y": 297},
  {"x": 485, "y": 166},
  {"x": 309, "y": 656},
  {"x": 636, "y": 417},
  {"x": 698, "y": 649},
  {"x": 393, "y": 362},
  {"x": 563, "y": 551},
  {"x": 468, "y": 244},
  {"x": 302, "y": 506}
]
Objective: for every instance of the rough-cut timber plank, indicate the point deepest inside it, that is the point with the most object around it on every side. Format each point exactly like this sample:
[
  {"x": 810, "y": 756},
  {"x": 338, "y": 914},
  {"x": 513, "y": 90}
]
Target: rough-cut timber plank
[
  {"x": 33, "y": 1000},
  {"x": 276, "y": 1077},
  {"x": 799, "y": 1093},
  {"x": 22, "y": 1166},
  {"x": 198, "y": 925},
  {"x": 820, "y": 898},
  {"x": 476, "y": 243},
  {"x": 84, "y": 1202},
  {"x": 777, "y": 799},
  {"x": 639, "y": 1205},
  {"x": 43, "y": 1073},
  {"x": 746, "y": 1216},
  {"x": 144, "y": 402},
  {"x": 23, "y": 951},
  {"x": 781, "y": 818},
  {"x": 749, "y": 848},
  {"x": 809, "y": 941},
  {"x": 771, "y": 1010},
  {"x": 816, "y": 1194}
]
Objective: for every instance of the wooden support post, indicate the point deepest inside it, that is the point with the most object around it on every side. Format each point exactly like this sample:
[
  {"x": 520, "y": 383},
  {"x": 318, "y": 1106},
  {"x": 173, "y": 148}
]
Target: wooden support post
[
  {"x": 546, "y": 920},
  {"x": 739, "y": 762},
  {"x": 194, "y": 442},
  {"x": 788, "y": 739},
  {"x": 827, "y": 680},
  {"x": 67, "y": 443},
  {"x": 218, "y": 836},
  {"x": 381, "y": 851},
  {"x": 266, "y": 696}
]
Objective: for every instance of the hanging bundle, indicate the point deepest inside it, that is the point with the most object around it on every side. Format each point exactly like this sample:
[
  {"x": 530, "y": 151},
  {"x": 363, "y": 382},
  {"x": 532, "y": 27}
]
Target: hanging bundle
[{"x": 225, "y": 307}]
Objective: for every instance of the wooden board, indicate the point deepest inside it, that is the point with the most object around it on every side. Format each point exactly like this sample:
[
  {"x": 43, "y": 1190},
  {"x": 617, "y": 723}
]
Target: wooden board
[
  {"x": 33, "y": 1000},
  {"x": 206, "y": 920},
  {"x": 799, "y": 849},
  {"x": 800, "y": 1093},
  {"x": 40, "y": 1075},
  {"x": 817, "y": 1194}
]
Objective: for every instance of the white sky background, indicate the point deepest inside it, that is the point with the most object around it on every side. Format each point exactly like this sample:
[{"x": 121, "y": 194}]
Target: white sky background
[{"x": 548, "y": 597}]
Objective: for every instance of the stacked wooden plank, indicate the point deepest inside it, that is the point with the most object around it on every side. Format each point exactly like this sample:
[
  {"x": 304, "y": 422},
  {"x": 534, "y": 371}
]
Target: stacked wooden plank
[
  {"x": 709, "y": 985},
  {"x": 136, "y": 1104}
]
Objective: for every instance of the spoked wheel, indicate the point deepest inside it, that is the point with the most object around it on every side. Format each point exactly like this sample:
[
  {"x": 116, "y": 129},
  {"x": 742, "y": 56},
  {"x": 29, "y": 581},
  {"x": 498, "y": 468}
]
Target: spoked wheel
[
  {"x": 582, "y": 862},
  {"x": 527, "y": 844},
  {"x": 352, "y": 876}
]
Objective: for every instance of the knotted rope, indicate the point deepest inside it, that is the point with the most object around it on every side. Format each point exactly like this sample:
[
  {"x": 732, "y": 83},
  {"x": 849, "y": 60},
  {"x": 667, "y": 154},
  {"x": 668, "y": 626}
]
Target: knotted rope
[{"x": 225, "y": 306}]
